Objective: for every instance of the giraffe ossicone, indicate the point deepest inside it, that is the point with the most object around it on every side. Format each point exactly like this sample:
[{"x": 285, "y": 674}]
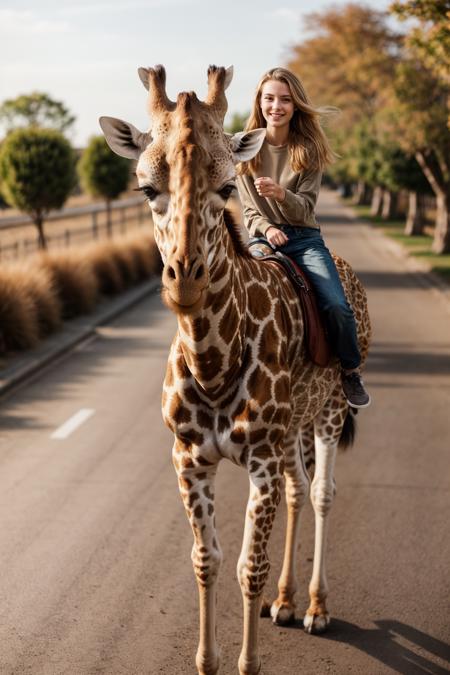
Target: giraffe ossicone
[{"x": 238, "y": 385}]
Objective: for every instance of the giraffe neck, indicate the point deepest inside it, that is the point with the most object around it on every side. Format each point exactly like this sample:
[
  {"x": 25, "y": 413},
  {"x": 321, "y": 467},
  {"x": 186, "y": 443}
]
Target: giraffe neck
[{"x": 212, "y": 338}]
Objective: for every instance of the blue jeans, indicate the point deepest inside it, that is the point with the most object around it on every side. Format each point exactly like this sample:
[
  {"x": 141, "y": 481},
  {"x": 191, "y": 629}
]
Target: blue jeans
[{"x": 307, "y": 247}]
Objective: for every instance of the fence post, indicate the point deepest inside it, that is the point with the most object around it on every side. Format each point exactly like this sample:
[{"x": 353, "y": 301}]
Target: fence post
[
  {"x": 67, "y": 237},
  {"x": 94, "y": 225}
]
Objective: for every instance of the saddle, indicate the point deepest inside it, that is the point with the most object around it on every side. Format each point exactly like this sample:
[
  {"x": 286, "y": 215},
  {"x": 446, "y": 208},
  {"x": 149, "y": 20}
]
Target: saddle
[{"x": 317, "y": 345}]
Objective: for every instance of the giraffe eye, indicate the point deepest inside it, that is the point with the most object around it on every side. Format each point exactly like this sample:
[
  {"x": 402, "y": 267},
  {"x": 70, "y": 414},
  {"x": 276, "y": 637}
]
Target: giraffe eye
[
  {"x": 149, "y": 191},
  {"x": 226, "y": 190}
]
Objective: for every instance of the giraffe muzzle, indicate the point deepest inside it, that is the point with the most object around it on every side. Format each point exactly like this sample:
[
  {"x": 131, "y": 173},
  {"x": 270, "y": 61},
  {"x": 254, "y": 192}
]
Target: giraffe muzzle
[{"x": 184, "y": 280}]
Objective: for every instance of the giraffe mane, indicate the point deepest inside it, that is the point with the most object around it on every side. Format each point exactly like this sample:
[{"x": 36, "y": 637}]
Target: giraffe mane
[{"x": 235, "y": 233}]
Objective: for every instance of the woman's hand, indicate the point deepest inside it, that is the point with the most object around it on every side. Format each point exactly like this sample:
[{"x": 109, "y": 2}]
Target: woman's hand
[
  {"x": 266, "y": 187},
  {"x": 276, "y": 236}
]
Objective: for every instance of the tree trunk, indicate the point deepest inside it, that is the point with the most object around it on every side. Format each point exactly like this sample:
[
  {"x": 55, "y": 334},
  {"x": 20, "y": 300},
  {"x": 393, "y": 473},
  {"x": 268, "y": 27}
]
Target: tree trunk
[
  {"x": 389, "y": 208},
  {"x": 415, "y": 221},
  {"x": 435, "y": 169},
  {"x": 363, "y": 193},
  {"x": 377, "y": 201},
  {"x": 441, "y": 241},
  {"x": 108, "y": 218},
  {"x": 39, "y": 222}
]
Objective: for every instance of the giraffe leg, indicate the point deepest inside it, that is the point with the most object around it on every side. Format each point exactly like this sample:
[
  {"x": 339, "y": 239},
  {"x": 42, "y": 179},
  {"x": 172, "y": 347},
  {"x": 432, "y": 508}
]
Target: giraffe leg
[
  {"x": 297, "y": 489},
  {"x": 328, "y": 425},
  {"x": 253, "y": 565},
  {"x": 197, "y": 490}
]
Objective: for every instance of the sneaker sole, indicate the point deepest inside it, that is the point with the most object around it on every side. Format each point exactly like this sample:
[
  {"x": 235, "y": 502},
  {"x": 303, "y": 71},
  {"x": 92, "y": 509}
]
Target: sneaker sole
[{"x": 364, "y": 405}]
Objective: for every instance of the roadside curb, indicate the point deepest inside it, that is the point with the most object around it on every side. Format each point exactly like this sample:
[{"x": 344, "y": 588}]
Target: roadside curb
[
  {"x": 25, "y": 366},
  {"x": 417, "y": 267}
]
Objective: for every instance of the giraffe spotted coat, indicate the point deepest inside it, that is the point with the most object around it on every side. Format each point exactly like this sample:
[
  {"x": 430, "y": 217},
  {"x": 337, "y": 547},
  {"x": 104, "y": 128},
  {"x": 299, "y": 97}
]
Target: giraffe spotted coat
[{"x": 238, "y": 385}]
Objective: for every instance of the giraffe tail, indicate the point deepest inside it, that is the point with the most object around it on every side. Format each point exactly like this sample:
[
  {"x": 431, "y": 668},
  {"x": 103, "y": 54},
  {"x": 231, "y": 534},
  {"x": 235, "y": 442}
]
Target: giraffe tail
[{"x": 348, "y": 430}]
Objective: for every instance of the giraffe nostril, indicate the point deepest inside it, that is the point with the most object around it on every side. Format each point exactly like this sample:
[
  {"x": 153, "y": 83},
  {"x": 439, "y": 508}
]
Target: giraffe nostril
[
  {"x": 171, "y": 273},
  {"x": 199, "y": 273}
]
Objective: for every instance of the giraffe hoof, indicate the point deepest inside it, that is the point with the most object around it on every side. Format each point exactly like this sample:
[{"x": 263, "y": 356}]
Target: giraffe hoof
[
  {"x": 282, "y": 615},
  {"x": 208, "y": 665},
  {"x": 249, "y": 668},
  {"x": 265, "y": 609},
  {"x": 314, "y": 624}
]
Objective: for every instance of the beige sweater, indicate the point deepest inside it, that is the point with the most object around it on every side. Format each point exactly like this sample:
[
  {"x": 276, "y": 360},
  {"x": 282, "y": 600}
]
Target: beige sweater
[{"x": 302, "y": 190}]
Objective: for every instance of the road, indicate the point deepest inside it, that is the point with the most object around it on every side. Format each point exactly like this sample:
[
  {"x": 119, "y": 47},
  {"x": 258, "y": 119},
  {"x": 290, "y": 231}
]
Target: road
[{"x": 95, "y": 564}]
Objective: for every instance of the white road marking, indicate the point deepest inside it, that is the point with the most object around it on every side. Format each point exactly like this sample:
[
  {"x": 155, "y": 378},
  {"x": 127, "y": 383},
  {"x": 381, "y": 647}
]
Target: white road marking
[{"x": 73, "y": 423}]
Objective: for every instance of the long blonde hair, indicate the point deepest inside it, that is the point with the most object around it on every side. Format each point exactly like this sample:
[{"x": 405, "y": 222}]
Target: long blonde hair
[{"x": 308, "y": 145}]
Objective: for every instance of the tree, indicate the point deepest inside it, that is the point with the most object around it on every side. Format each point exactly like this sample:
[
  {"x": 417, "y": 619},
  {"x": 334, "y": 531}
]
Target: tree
[
  {"x": 419, "y": 117},
  {"x": 348, "y": 61},
  {"x": 103, "y": 173},
  {"x": 37, "y": 173},
  {"x": 430, "y": 37},
  {"x": 35, "y": 110},
  {"x": 421, "y": 113}
]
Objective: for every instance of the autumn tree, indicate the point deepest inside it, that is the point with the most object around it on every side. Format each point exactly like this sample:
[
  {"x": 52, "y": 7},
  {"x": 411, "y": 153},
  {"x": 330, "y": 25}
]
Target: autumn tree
[
  {"x": 347, "y": 61},
  {"x": 420, "y": 115}
]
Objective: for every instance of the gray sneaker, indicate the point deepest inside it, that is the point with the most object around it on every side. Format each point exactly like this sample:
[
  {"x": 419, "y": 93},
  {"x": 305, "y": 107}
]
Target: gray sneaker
[{"x": 353, "y": 386}]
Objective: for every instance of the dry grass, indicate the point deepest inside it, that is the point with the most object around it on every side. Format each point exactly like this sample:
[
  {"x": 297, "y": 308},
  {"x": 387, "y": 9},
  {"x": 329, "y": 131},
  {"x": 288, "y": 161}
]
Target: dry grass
[
  {"x": 35, "y": 296},
  {"x": 44, "y": 294},
  {"x": 74, "y": 279},
  {"x": 19, "y": 326}
]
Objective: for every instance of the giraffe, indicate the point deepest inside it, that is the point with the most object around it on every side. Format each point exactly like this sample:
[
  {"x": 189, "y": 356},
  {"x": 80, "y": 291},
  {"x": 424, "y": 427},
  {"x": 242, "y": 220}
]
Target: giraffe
[{"x": 238, "y": 385}]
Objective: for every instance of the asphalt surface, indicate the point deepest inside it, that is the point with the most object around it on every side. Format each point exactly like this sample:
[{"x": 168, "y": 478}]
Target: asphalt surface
[{"x": 95, "y": 564}]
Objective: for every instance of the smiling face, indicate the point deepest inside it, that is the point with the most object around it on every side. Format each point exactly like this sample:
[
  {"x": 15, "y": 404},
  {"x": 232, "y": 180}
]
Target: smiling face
[{"x": 277, "y": 105}]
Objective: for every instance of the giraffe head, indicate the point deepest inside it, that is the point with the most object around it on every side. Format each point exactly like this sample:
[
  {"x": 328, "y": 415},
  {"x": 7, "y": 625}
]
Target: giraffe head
[{"x": 186, "y": 168}]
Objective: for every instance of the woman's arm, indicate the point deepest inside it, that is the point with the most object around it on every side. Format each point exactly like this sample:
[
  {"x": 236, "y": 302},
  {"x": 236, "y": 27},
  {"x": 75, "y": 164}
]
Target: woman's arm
[
  {"x": 255, "y": 222},
  {"x": 299, "y": 206}
]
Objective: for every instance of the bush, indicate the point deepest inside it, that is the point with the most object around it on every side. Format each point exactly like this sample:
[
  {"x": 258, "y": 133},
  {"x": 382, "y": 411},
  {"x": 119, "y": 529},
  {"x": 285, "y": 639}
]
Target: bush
[
  {"x": 75, "y": 280},
  {"x": 18, "y": 314},
  {"x": 42, "y": 290},
  {"x": 35, "y": 296}
]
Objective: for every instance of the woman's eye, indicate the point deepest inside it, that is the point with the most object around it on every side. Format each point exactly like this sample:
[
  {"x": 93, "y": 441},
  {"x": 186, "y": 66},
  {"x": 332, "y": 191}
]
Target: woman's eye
[{"x": 226, "y": 190}]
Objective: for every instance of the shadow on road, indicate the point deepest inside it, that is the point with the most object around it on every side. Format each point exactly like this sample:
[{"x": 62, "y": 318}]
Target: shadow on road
[
  {"x": 388, "y": 280},
  {"x": 387, "y": 644},
  {"x": 402, "y": 362},
  {"x": 330, "y": 219}
]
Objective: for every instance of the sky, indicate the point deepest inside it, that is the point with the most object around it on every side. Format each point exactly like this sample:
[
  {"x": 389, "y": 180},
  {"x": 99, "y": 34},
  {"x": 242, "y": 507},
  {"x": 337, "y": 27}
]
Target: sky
[{"x": 86, "y": 54}]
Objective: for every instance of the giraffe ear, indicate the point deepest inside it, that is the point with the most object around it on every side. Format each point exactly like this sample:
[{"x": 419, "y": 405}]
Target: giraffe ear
[
  {"x": 123, "y": 138},
  {"x": 143, "y": 76},
  {"x": 228, "y": 77},
  {"x": 246, "y": 144}
]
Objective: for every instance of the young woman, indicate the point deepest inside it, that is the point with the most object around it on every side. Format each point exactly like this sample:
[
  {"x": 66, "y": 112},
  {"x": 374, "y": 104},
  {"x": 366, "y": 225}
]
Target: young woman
[{"x": 278, "y": 190}]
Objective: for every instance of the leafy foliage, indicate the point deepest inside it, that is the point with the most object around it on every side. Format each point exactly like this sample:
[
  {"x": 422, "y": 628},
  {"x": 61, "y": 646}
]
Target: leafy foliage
[
  {"x": 430, "y": 39},
  {"x": 348, "y": 61},
  {"x": 37, "y": 171},
  {"x": 35, "y": 110},
  {"x": 102, "y": 172}
]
